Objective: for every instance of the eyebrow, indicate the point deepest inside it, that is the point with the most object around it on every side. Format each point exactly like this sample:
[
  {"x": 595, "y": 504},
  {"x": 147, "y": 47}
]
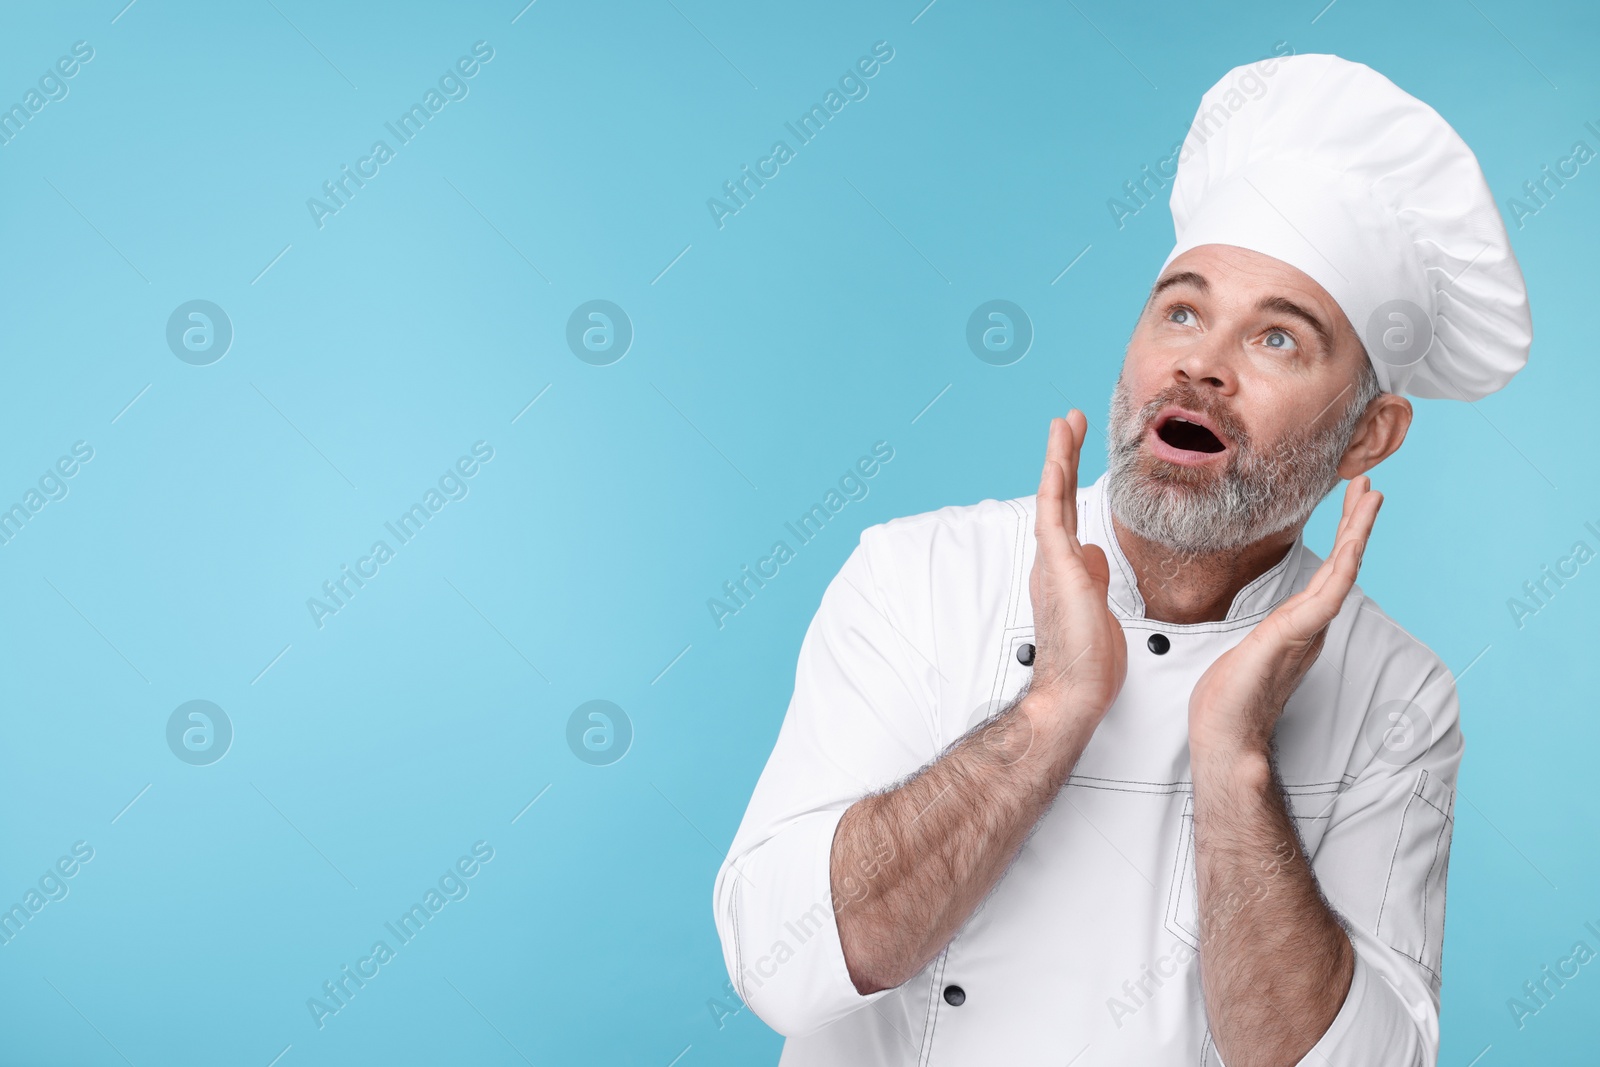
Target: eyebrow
[
  {"x": 1280, "y": 304},
  {"x": 1183, "y": 277}
]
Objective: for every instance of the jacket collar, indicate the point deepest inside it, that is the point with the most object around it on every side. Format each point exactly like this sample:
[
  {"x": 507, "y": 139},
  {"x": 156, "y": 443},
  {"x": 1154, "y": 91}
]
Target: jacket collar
[{"x": 1250, "y": 604}]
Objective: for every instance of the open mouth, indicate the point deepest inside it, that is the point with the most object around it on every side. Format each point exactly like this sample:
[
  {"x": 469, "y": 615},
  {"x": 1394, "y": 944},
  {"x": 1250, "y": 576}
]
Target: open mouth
[{"x": 1187, "y": 436}]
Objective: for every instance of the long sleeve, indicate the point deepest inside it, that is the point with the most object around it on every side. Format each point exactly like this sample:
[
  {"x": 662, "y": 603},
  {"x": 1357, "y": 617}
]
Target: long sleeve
[
  {"x": 1382, "y": 865},
  {"x": 860, "y": 719}
]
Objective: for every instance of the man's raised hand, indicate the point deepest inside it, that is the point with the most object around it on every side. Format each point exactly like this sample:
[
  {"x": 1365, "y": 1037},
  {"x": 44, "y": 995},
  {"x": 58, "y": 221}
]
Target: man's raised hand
[
  {"x": 1236, "y": 703},
  {"x": 1080, "y": 653}
]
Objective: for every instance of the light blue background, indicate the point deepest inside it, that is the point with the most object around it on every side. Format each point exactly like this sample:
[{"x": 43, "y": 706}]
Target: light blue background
[{"x": 825, "y": 316}]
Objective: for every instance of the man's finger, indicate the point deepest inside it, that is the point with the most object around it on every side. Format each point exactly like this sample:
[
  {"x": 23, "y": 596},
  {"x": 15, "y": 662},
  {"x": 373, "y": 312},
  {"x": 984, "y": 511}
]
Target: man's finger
[
  {"x": 1357, "y": 523},
  {"x": 1049, "y": 530},
  {"x": 1354, "y": 494},
  {"x": 1361, "y": 523},
  {"x": 1344, "y": 562},
  {"x": 1358, "y": 488},
  {"x": 1077, "y": 425},
  {"x": 1309, "y": 611}
]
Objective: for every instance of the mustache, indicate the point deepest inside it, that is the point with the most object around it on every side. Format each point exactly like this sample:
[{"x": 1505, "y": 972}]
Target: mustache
[{"x": 1194, "y": 401}]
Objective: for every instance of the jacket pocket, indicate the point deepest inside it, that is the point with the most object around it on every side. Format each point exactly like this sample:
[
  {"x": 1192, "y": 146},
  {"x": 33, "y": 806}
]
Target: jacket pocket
[
  {"x": 1411, "y": 916},
  {"x": 1183, "y": 912}
]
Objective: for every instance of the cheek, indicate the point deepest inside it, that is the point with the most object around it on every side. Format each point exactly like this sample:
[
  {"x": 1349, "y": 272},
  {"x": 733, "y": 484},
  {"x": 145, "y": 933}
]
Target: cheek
[
  {"x": 1147, "y": 364},
  {"x": 1274, "y": 411},
  {"x": 1148, "y": 377},
  {"x": 1158, "y": 348}
]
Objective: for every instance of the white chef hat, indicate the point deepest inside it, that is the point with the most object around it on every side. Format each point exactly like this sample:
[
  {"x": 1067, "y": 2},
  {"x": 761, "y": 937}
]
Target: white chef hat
[{"x": 1329, "y": 166}]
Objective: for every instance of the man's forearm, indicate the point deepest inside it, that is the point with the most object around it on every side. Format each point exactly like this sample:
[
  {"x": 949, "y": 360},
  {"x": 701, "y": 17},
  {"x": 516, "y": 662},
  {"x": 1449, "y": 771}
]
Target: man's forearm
[
  {"x": 1275, "y": 962},
  {"x": 908, "y": 866}
]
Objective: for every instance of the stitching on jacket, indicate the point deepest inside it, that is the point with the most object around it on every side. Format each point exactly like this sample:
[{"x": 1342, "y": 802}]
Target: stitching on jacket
[
  {"x": 1185, "y": 846},
  {"x": 1180, "y": 787},
  {"x": 937, "y": 998},
  {"x": 1428, "y": 880},
  {"x": 931, "y": 1022},
  {"x": 877, "y": 1006},
  {"x": 1108, "y": 535},
  {"x": 1000, "y": 671},
  {"x": 1447, "y": 816},
  {"x": 1419, "y": 963},
  {"x": 738, "y": 949},
  {"x": 1290, "y": 562},
  {"x": 1159, "y": 789},
  {"x": 1016, "y": 563},
  {"x": 1008, "y": 649},
  {"x": 1007, "y": 638},
  {"x": 1399, "y": 837},
  {"x": 1177, "y": 857},
  {"x": 1302, "y": 789},
  {"x": 1141, "y": 623}
]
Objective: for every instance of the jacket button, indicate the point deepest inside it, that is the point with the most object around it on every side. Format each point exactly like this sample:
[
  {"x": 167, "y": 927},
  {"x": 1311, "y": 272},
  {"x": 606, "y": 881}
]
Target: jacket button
[
  {"x": 955, "y": 996},
  {"x": 1159, "y": 644},
  {"x": 1025, "y": 655}
]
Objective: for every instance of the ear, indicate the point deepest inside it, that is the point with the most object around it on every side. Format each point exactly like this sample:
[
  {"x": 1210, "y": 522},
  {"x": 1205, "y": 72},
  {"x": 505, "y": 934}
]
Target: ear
[{"x": 1378, "y": 434}]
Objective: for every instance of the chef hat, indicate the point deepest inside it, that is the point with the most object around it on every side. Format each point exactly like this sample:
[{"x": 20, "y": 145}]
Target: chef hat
[{"x": 1330, "y": 167}]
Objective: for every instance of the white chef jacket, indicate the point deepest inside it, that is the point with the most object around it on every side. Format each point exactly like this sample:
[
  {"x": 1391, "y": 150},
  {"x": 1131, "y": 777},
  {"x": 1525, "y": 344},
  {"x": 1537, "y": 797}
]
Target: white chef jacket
[{"x": 1085, "y": 951}]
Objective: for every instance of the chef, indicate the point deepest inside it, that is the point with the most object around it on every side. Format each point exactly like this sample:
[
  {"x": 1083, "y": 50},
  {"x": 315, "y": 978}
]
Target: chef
[{"x": 1127, "y": 774}]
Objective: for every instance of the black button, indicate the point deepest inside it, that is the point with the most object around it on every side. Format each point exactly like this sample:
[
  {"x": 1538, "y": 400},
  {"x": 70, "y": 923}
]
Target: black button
[
  {"x": 1025, "y": 654},
  {"x": 1159, "y": 644},
  {"x": 954, "y": 995}
]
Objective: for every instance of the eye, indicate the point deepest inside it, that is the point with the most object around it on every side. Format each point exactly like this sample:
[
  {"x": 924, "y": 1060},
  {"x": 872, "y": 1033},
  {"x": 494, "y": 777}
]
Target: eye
[
  {"x": 1181, "y": 315},
  {"x": 1280, "y": 338}
]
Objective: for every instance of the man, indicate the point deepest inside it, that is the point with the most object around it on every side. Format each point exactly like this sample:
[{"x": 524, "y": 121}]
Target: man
[{"x": 1194, "y": 806}]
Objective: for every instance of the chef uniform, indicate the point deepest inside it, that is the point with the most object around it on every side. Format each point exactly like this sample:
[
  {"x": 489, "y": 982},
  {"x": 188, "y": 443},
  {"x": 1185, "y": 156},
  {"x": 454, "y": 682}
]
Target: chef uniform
[{"x": 1086, "y": 950}]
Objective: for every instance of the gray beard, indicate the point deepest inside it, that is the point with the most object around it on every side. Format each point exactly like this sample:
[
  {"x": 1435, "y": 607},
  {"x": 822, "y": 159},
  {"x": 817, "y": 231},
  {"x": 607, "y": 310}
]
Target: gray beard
[{"x": 1202, "y": 512}]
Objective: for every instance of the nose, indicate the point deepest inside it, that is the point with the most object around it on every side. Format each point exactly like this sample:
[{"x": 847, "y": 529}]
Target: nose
[{"x": 1207, "y": 362}]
